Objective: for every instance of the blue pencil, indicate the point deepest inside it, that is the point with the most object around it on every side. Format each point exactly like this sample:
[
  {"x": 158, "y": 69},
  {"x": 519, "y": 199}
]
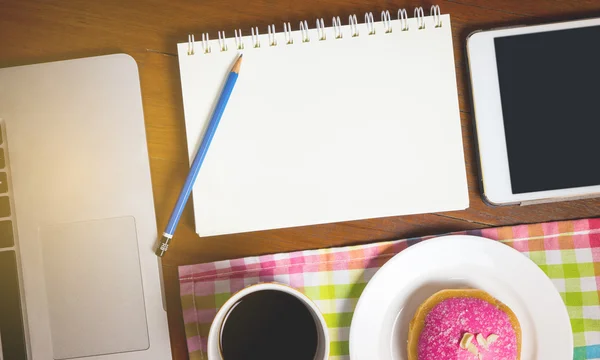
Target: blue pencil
[{"x": 200, "y": 155}]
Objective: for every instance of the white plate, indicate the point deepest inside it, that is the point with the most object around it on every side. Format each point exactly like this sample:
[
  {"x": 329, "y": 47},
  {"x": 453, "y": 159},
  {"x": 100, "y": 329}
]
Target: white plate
[{"x": 379, "y": 327}]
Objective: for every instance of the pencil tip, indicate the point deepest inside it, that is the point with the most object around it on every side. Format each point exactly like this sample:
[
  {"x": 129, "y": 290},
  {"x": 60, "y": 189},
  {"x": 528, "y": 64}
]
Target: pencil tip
[{"x": 237, "y": 65}]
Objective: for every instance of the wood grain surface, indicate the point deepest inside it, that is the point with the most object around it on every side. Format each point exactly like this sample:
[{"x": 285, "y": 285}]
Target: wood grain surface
[{"x": 39, "y": 31}]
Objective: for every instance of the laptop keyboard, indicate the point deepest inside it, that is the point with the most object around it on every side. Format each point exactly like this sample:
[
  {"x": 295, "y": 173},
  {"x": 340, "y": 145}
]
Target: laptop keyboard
[{"x": 12, "y": 332}]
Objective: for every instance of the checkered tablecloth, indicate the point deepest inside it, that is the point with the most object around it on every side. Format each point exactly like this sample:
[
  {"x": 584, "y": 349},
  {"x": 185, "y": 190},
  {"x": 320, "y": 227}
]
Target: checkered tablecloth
[{"x": 568, "y": 252}]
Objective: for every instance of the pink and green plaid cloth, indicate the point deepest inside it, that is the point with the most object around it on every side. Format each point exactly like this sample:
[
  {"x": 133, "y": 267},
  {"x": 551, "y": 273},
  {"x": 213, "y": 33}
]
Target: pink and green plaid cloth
[{"x": 568, "y": 252}]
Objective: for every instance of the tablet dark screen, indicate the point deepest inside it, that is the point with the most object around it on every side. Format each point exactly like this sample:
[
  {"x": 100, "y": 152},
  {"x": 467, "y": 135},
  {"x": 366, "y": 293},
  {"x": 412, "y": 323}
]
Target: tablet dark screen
[{"x": 550, "y": 94}]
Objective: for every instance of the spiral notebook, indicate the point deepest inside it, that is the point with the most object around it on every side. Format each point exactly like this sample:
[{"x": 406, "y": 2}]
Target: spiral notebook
[{"x": 326, "y": 123}]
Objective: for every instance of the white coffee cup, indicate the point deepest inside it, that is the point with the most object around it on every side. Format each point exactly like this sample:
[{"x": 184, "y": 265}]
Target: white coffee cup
[{"x": 214, "y": 341}]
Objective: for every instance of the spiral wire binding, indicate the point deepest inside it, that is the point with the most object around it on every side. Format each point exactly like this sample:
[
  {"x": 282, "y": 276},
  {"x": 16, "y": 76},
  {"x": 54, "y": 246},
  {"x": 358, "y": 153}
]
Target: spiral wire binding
[
  {"x": 386, "y": 22},
  {"x": 386, "y": 19},
  {"x": 420, "y": 15},
  {"x": 191, "y": 42},
  {"x": 353, "y": 25},
  {"x": 272, "y": 39},
  {"x": 287, "y": 30},
  {"x": 437, "y": 15},
  {"x": 337, "y": 27},
  {"x": 321, "y": 30},
  {"x": 370, "y": 23},
  {"x": 239, "y": 44},
  {"x": 255, "y": 37},
  {"x": 205, "y": 44},
  {"x": 403, "y": 18},
  {"x": 304, "y": 31},
  {"x": 222, "y": 44}
]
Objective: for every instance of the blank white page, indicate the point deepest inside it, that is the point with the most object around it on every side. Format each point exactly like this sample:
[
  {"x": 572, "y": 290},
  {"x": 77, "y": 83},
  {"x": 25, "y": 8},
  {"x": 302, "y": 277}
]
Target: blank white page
[{"x": 326, "y": 131}]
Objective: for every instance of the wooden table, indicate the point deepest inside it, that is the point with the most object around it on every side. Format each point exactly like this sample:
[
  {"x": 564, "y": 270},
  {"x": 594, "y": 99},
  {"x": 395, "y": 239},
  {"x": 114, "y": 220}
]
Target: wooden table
[{"x": 38, "y": 31}]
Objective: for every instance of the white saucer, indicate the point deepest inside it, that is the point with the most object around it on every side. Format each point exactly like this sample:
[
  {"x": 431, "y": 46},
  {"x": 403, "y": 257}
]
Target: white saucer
[{"x": 379, "y": 327}]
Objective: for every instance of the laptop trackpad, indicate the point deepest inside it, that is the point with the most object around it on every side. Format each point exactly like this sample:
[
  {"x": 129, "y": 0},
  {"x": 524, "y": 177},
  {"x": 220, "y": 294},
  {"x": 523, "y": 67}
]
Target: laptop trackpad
[{"x": 94, "y": 288}]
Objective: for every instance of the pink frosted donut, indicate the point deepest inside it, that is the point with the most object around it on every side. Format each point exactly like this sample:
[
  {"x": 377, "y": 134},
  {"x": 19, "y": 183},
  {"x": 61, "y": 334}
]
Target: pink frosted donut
[{"x": 465, "y": 324}]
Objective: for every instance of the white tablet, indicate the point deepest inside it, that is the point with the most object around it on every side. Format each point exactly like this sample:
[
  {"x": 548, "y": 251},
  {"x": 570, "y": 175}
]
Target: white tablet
[{"x": 536, "y": 103}]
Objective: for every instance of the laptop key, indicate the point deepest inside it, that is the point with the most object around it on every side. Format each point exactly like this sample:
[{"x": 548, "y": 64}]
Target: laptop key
[
  {"x": 2, "y": 161},
  {"x": 4, "y": 207},
  {"x": 6, "y": 235},
  {"x": 12, "y": 330},
  {"x": 3, "y": 183}
]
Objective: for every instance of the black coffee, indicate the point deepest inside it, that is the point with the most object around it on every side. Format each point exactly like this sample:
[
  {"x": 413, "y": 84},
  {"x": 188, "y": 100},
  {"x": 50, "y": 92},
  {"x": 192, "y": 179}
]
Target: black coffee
[{"x": 269, "y": 325}]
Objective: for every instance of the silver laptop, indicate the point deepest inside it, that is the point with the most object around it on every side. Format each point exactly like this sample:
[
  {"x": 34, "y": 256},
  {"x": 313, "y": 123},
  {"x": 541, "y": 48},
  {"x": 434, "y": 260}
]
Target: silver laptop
[{"x": 78, "y": 274}]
